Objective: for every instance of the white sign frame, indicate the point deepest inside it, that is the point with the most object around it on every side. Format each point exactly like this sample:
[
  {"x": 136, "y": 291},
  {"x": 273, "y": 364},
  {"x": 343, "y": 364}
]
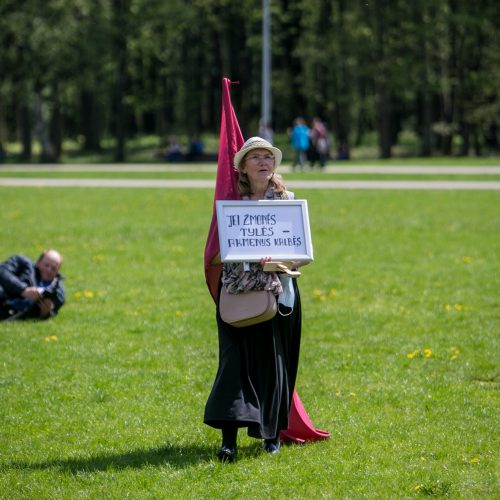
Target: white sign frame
[{"x": 250, "y": 230}]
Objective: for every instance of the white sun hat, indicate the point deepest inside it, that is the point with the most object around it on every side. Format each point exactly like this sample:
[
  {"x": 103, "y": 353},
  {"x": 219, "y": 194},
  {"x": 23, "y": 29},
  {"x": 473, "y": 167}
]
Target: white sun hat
[{"x": 257, "y": 143}]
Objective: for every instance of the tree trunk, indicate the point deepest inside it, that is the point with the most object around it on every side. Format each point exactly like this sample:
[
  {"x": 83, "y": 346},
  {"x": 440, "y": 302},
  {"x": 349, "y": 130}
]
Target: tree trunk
[
  {"x": 3, "y": 128},
  {"x": 56, "y": 125},
  {"x": 381, "y": 82},
  {"x": 90, "y": 121},
  {"x": 491, "y": 138},
  {"x": 465, "y": 134},
  {"x": 449, "y": 95},
  {"x": 424, "y": 101},
  {"x": 342, "y": 105},
  {"x": 24, "y": 121},
  {"x": 426, "y": 127},
  {"x": 477, "y": 143},
  {"x": 384, "y": 122},
  {"x": 120, "y": 13},
  {"x": 47, "y": 154}
]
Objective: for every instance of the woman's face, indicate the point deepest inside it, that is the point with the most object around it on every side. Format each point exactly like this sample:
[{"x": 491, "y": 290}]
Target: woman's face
[{"x": 258, "y": 164}]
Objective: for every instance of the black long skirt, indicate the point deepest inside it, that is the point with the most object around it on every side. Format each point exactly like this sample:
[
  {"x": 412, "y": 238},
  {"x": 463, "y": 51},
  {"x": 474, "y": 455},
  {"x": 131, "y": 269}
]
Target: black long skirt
[{"x": 256, "y": 376}]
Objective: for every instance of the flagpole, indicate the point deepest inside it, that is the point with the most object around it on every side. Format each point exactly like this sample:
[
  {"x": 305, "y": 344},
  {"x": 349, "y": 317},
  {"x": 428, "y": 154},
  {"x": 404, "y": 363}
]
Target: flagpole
[{"x": 266, "y": 64}]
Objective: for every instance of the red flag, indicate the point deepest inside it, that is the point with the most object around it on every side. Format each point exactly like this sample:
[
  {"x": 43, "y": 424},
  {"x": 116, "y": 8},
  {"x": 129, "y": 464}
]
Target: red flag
[{"x": 231, "y": 140}]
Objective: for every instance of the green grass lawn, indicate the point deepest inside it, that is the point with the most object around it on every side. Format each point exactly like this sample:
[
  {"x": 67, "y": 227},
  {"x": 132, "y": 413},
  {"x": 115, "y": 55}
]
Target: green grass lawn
[
  {"x": 399, "y": 358},
  {"x": 211, "y": 176}
]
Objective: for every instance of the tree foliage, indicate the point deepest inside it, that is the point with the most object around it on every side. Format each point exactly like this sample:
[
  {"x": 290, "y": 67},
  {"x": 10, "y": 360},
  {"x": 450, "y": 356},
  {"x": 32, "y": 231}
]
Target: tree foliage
[{"x": 89, "y": 69}]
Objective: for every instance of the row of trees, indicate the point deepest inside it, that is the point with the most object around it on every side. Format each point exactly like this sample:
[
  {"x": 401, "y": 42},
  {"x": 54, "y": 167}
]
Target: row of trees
[{"x": 90, "y": 69}]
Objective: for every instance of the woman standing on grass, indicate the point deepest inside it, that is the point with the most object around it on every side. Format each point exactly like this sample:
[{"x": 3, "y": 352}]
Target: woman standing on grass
[{"x": 257, "y": 364}]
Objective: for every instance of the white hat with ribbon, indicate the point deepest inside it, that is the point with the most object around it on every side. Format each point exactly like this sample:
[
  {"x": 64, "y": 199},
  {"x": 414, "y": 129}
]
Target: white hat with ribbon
[{"x": 257, "y": 143}]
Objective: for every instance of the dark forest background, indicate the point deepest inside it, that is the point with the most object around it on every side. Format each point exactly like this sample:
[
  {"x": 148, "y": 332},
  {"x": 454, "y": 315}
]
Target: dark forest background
[{"x": 90, "y": 70}]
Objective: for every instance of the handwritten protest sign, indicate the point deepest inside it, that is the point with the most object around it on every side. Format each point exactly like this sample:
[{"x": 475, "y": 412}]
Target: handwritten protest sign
[{"x": 249, "y": 230}]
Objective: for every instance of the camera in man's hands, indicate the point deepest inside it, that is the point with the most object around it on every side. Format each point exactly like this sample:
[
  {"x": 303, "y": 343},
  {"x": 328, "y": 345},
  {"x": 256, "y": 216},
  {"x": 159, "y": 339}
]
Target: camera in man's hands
[{"x": 50, "y": 292}]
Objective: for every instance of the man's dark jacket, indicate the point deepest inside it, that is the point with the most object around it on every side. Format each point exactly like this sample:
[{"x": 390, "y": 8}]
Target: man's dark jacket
[{"x": 19, "y": 272}]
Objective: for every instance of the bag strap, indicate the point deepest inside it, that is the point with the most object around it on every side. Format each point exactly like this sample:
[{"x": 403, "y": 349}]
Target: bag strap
[{"x": 284, "y": 315}]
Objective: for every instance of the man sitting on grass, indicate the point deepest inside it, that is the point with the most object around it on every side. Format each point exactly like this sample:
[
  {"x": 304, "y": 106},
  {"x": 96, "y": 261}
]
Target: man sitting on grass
[{"x": 31, "y": 289}]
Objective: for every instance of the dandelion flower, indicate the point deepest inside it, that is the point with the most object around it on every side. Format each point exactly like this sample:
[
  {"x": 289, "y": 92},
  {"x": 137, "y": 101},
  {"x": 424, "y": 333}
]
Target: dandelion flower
[
  {"x": 88, "y": 294},
  {"x": 427, "y": 353},
  {"x": 412, "y": 354},
  {"x": 77, "y": 295},
  {"x": 474, "y": 460}
]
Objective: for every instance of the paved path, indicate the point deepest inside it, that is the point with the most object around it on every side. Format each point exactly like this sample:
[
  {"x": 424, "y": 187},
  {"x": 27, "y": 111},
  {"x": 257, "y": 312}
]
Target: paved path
[
  {"x": 178, "y": 183},
  {"x": 347, "y": 169}
]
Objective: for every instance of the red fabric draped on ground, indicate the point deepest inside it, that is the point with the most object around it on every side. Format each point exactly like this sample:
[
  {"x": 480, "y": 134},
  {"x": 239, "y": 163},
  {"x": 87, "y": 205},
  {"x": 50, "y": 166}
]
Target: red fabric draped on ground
[{"x": 300, "y": 428}]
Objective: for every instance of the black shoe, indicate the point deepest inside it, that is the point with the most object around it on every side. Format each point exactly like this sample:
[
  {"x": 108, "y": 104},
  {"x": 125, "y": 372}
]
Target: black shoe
[
  {"x": 227, "y": 454},
  {"x": 272, "y": 446}
]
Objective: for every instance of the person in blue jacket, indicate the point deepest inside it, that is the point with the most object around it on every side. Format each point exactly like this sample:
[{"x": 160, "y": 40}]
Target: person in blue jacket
[
  {"x": 299, "y": 136},
  {"x": 31, "y": 289}
]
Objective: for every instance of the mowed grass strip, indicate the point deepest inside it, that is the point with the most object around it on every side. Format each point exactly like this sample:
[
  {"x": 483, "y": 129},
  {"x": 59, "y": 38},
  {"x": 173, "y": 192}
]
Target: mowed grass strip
[
  {"x": 399, "y": 355},
  {"x": 309, "y": 175}
]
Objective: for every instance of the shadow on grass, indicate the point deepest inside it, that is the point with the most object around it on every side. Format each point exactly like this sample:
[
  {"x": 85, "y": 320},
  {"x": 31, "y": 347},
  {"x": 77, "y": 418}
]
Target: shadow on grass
[
  {"x": 177, "y": 457},
  {"x": 171, "y": 455}
]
